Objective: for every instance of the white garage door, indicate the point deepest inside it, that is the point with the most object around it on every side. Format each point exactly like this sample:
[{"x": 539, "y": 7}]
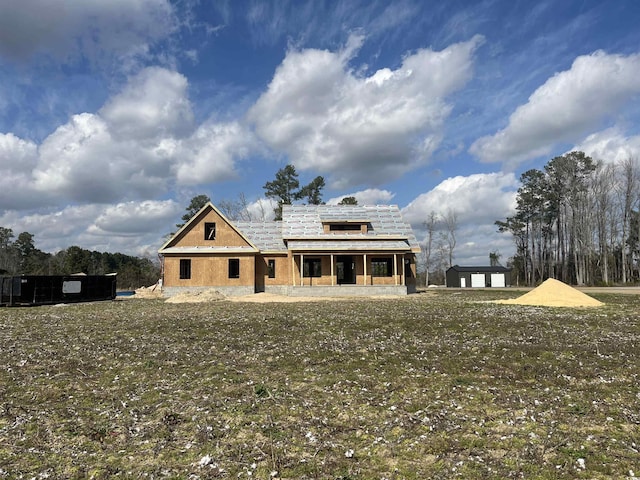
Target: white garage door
[
  {"x": 477, "y": 280},
  {"x": 497, "y": 280}
]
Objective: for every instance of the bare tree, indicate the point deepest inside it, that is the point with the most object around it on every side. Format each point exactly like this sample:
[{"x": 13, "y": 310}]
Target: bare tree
[
  {"x": 441, "y": 250},
  {"x": 237, "y": 209},
  {"x": 629, "y": 185},
  {"x": 451, "y": 225},
  {"x": 602, "y": 186},
  {"x": 430, "y": 224}
]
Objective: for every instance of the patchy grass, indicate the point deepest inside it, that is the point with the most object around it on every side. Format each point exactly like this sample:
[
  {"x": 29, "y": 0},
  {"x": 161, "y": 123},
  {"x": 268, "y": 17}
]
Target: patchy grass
[{"x": 435, "y": 385}]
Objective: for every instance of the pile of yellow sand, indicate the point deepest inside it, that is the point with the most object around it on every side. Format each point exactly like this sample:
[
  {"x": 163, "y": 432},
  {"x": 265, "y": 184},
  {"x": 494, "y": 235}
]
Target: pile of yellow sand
[
  {"x": 198, "y": 296},
  {"x": 553, "y": 293}
]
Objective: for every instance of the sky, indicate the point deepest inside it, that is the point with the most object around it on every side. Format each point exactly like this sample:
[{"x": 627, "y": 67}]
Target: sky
[{"x": 115, "y": 113}]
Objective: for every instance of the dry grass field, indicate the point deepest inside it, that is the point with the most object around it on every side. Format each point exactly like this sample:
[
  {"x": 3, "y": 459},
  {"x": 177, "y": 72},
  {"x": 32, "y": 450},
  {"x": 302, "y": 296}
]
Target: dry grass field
[{"x": 435, "y": 385}]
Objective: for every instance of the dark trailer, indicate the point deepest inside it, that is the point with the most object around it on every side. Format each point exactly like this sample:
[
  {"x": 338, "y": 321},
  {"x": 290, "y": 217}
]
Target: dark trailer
[{"x": 29, "y": 290}]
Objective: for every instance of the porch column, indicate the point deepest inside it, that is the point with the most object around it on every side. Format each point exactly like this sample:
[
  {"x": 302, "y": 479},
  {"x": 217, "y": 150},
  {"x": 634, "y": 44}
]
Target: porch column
[
  {"x": 365, "y": 268},
  {"x": 332, "y": 274},
  {"x": 301, "y": 270},
  {"x": 395, "y": 268},
  {"x": 293, "y": 269},
  {"x": 402, "y": 279}
]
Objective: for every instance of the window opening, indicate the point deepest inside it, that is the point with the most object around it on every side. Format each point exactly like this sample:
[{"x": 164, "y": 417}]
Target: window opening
[
  {"x": 185, "y": 269},
  {"x": 382, "y": 267},
  {"x": 345, "y": 227},
  {"x": 210, "y": 231},
  {"x": 312, "y": 267},
  {"x": 271, "y": 268},
  {"x": 234, "y": 268}
]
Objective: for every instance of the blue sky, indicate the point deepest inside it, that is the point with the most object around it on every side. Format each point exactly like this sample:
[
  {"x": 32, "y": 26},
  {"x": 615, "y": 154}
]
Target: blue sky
[{"x": 114, "y": 113}]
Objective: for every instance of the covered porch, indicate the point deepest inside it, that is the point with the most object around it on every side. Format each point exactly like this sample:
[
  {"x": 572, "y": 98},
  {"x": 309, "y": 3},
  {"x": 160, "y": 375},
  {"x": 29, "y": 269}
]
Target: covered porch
[{"x": 350, "y": 269}]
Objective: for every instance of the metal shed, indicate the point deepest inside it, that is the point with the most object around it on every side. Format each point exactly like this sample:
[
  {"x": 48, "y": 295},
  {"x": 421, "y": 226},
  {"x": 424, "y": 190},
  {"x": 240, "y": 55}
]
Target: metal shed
[
  {"x": 30, "y": 290},
  {"x": 478, "y": 277}
]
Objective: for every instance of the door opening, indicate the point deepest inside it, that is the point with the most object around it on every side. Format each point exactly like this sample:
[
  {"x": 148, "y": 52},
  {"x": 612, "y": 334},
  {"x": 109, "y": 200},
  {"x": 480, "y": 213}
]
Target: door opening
[{"x": 346, "y": 270}]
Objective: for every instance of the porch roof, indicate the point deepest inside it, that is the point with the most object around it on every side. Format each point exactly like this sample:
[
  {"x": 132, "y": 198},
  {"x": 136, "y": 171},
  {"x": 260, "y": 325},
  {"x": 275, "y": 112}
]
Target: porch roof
[{"x": 399, "y": 246}]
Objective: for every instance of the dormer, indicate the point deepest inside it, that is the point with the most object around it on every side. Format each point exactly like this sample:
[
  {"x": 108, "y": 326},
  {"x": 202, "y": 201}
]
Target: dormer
[{"x": 346, "y": 226}]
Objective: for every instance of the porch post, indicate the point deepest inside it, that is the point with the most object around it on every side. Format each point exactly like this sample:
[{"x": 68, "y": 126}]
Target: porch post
[
  {"x": 301, "y": 270},
  {"x": 293, "y": 269},
  {"x": 395, "y": 268},
  {"x": 332, "y": 276},
  {"x": 365, "y": 268},
  {"x": 402, "y": 279}
]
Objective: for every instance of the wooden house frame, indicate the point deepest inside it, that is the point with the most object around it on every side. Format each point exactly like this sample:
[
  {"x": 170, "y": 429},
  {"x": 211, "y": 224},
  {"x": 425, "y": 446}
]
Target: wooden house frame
[{"x": 315, "y": 250}]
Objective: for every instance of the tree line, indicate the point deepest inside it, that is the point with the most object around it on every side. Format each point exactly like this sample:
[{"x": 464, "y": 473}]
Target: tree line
[
  {"x": 19, "y": 256},
  {"x": 577, "y": 220}
]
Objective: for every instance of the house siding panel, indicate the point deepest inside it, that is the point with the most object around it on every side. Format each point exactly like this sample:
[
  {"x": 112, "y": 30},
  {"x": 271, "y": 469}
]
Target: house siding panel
[
  {"x": 209, "y": 270},
  {"x": 226, "y": 235},
  {"x": 282, "y": 273}
]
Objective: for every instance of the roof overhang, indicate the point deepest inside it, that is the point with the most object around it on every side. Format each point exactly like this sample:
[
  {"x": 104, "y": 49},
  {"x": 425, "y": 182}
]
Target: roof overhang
[
  {"x": 397, "y": 246},
  {"x": 207, "y": 250},
  {"x": 355, "y": 237}
]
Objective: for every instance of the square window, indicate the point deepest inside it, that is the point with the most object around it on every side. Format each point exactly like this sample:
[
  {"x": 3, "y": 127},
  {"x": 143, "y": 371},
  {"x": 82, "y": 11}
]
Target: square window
[
  {"x": 210, "y": 231},
  {"x": 382, "y": 267},
  {"x": 312, "y": 267},
  {"x": 234, "y": 268},
  {"x": 185, "y": 269},
  {"x": 271, "y": 268}
]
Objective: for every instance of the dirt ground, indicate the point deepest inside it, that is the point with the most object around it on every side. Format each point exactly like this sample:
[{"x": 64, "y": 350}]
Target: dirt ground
[
  {"x": 273, "y": 298},
  {"x": 623, "y": 290}
]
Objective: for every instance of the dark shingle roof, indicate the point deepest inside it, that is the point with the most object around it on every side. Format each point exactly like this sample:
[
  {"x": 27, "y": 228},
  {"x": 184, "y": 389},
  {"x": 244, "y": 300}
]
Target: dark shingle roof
[{"x": 482, "y": 269}]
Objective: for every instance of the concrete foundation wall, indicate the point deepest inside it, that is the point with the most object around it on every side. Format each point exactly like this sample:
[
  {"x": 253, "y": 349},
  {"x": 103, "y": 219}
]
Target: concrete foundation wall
[
  {"x": 227, "y": 291},
  {"x": 347, "y": 290},
  {"x": 277, "y": 289},
  {"x": 306, "y": 291}
]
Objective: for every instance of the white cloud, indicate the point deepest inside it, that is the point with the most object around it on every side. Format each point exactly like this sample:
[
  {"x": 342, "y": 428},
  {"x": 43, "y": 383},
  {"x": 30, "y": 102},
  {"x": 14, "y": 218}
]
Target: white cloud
[
  {"x": 360, "y": 129},
  {"x": 478, "y": 201},
  {"x": 55, "y": 230},
  {"x": 134, "y": 218},
  {"x": 138, "y": 145},
  {"x": 68, "y": 28},
  {"x": 564, "y": 107},
  {"x": 81, "y": 161},
  {"x": 610, "y": 146},
  {"x": 370, "y": 196},
  {"x": 17, "y": 159},
  {"x": 132, "y": 228},
  {"x": 209, "y": 154},
  {"x": 262, "y": 209},
  {"x": 154, "y": 104}
]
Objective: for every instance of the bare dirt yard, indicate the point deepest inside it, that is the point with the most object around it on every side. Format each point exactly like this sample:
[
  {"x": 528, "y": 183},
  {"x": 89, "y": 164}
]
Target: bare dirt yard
[{"x": 442, "y": 384}]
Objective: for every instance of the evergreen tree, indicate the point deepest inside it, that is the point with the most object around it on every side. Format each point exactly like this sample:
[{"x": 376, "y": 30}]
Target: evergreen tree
[
  {"x": 312, "y": 192},
  {"x": 194, "y": 207},
  {"x": 348, "y": 201},
  {"x": 283, "y": 189},
  {"x": 286, "y": 188}
]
